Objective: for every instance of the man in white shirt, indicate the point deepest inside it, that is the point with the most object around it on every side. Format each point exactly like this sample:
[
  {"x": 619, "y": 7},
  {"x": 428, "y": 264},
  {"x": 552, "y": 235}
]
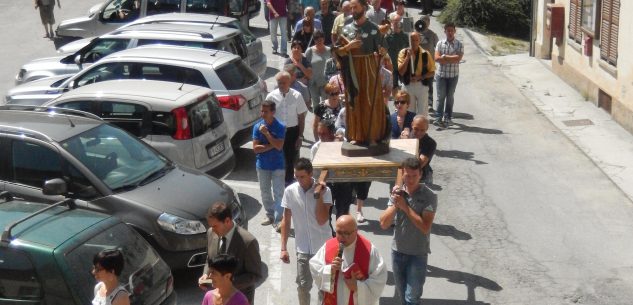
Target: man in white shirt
[
  {"x": 291, "y": 111},
  {"x": 312, "y": 215},
  {"x": 355, "y": 275}
]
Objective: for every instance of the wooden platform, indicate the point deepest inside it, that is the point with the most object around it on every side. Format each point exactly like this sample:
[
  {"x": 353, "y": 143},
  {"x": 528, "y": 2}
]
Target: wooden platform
[{"x": 358, "y": 169}]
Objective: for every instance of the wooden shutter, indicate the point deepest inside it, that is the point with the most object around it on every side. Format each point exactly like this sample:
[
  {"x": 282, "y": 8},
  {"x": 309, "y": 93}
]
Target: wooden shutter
[
  {"x": 575, "y": 20},
  {"x": 609, "y": 28}
]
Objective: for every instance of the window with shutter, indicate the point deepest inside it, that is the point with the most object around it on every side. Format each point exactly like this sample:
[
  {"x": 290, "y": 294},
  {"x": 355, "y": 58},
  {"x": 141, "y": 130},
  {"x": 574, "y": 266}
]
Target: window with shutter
[
  {"x": 575, "y": 8},
  {"x": 609, "y": 29}
]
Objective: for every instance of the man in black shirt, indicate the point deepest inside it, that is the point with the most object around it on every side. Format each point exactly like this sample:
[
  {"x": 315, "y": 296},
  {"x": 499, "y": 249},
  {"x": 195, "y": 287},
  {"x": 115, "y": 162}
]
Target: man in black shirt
[{"x": 426, "y": 147}]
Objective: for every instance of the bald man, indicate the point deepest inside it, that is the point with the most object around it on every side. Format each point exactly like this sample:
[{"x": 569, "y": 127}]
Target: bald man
[
  {"x": 416, "y": 66},
  {"x": 355, "y": 275}
]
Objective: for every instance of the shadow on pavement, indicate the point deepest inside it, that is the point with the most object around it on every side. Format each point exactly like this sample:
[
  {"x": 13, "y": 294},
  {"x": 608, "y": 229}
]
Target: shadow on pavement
[
  {"x": 244, "y": 166},
  {"x": 463, "y": 116},
  {"x": 474, "y": 129},
  {"x": 458, "y": 154},
  {"x": 448, "y": 230},
  {"x": 373, "y": 226},
  {"x": 270, "y": 72},
  {"x": 250, "y": 205},
  {"x": 260, "y": 32},
  {"x": 469, "y": 280}
]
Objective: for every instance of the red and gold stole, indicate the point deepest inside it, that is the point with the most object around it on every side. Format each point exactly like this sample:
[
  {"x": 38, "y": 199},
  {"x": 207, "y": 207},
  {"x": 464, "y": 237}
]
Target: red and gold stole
[{"x": 361, "y": 259}]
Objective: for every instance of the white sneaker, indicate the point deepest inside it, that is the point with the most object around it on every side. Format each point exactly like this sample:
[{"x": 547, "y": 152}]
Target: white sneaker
[{"x": 359, "y": 217}]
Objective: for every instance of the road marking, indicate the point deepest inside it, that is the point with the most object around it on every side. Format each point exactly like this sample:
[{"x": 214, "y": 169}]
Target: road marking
[{"x": 274, "y": 263}]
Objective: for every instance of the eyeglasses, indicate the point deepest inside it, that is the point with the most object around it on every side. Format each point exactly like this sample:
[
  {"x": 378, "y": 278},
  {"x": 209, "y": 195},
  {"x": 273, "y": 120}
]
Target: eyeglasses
[
  {"x": 399, "y": 102},
  {"x": 344, "y": 233},
  {"x": 334, "y": 93}
]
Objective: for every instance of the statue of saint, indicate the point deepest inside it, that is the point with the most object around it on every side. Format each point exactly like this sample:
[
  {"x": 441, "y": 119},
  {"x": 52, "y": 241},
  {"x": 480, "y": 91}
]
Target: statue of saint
[{"x": 359, "y": 50}]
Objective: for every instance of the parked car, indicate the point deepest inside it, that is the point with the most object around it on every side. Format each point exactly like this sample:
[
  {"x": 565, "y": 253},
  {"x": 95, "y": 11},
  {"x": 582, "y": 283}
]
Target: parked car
[
  {"x": 111, "y": 14},
  {"x": 91, "y": 50},
  {"x": 183, "y": 122},
  {"x": 238, "y": 88},
  {"x": 255, "y": 50},
  {"x": 51, "y": 154},
  {"x": 46, "y": 255}
]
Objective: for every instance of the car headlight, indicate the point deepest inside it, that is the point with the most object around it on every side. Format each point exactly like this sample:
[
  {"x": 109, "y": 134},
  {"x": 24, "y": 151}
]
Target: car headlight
[
  {"x": 236, "y": 210},
  {"x": 179, "y": 225}
]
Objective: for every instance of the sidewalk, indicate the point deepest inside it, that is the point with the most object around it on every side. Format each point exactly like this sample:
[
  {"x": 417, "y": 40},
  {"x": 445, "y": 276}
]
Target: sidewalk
[{"x": 590, "y": 128}]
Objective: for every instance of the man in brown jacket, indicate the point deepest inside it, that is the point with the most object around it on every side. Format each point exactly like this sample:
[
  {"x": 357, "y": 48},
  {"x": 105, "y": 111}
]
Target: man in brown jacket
[{"x": 225, "y": 237}]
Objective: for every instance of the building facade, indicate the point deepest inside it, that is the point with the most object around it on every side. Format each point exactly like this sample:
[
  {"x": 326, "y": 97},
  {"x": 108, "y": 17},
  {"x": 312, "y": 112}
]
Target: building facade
[{"x": 590, "y": 44}]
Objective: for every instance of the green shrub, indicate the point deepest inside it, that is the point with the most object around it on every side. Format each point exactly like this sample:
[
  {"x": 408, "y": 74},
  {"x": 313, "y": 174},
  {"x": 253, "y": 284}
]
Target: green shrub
[{"x": 506, "y": 17}]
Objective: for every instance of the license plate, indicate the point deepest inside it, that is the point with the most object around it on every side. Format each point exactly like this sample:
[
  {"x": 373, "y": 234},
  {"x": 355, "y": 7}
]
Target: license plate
[
  {"x": 215, "y": 150},
  {"x": 254, "y": 102}
]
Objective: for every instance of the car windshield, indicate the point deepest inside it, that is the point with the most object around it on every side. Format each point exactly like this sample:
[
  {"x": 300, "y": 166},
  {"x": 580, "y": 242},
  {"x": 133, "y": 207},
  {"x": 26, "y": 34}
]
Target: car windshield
[
  {"x": 119, "y": 159},
  {"x": 143, "y": 274}
]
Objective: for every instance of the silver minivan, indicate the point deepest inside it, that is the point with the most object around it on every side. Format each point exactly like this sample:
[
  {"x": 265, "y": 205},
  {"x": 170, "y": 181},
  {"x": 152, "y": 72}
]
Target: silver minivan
[
  {"x": 183, "y": 122},
  {"x": 238, "y": 89},
  {"x": 88, "y": 51},
  {"x": 111, "y": 14}
]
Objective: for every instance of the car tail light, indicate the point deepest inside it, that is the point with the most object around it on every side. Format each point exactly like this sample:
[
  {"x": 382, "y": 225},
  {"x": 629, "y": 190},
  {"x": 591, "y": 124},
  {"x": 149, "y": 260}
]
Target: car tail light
[
  {"x": 233, "y": 102},
  {"x": 183, "y": 130},
  {"x": 264, "y": 86},
  {"x": 170, "y": 285}
]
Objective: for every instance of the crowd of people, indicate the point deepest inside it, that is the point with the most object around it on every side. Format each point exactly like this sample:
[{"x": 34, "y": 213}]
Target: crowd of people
[{"x": 339, "y": 51}]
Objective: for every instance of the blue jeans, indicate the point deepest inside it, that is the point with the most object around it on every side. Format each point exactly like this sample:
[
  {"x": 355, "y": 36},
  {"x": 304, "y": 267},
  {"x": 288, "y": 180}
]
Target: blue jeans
[
  {"x": 271, "y": 184},
  {"x": 445, "y": 91},
  {"x": 409, "y": 272},
  {"x": 282, "y": 23}
]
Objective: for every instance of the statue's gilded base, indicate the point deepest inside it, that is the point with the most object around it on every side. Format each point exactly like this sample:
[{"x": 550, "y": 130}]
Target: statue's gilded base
[
  {"x": 341, "y": 168},
  {"x": 354, "y": 150}
]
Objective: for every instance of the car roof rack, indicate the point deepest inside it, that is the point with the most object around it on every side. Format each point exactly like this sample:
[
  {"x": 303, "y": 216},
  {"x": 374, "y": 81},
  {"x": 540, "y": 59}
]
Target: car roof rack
[
  {"x": 20, "y": 131},
  {"x": 6, "y": 195},
  {"x": 59, "y": 110},
  {"x": 6, "y": 234}
]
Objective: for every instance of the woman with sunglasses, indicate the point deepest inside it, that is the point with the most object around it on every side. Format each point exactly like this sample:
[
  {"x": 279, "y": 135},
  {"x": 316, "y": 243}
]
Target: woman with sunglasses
[
  {"x": 327, "y": 110},
  {"x": 402, "y": 118},
  {"x": 318, "y": 55},
  {"x": 107, "y": 267}
]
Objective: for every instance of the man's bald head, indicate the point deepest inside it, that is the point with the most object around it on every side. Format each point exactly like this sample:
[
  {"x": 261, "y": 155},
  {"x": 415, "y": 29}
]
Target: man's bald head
[{"x": 346, "y": 229}]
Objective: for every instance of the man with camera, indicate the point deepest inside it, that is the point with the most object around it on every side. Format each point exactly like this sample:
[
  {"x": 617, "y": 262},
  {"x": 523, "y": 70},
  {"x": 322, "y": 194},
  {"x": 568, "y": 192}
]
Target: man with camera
[
  {"x": 416, "y": 67},
  {"x": 412, "y": 208}
]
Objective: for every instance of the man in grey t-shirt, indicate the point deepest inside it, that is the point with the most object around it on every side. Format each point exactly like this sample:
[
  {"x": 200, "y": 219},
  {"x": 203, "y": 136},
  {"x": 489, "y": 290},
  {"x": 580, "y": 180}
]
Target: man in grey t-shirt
[{"x": 412, "y": 208}]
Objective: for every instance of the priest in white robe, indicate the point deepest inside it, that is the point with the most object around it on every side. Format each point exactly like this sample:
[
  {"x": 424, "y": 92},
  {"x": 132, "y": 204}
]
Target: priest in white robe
[{"x": 354, "y": 276}]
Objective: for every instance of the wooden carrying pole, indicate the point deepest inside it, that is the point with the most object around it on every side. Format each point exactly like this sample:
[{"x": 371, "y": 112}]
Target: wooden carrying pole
[{"x": 317, "y": 189}]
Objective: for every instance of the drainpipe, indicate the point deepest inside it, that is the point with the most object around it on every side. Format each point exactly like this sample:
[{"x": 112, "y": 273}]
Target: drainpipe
[{"x": 533, "y": 27}]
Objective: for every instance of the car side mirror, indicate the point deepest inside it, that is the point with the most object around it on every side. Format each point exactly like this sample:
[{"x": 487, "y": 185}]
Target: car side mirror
[
  {"x": 78, "y": 59},
  {"x": 55, "y": 187}
]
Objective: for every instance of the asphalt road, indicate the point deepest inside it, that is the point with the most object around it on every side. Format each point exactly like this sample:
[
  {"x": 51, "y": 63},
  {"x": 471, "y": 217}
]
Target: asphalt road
[{"x": 524, "y": 217}]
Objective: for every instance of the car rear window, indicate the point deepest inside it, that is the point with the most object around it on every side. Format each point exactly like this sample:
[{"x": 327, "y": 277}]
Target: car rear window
[
  {"x": 162, "y": 6},
  {"x": 235, "y": 75},
  {"x": 18, "y": 280},
  {"x": 144, "y": 273},
  {"x": 204, "y": 115}
]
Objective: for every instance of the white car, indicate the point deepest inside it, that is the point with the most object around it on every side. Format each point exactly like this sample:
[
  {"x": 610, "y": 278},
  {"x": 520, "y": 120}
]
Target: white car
[
  {"x": 238, "y": 89},
  {"x": 183, "y": 122}
]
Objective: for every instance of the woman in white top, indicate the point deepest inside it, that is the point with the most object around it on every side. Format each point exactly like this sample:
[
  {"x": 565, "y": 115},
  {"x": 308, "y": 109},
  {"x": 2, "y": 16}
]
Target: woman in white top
[{"x": 107, "y": 267}]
